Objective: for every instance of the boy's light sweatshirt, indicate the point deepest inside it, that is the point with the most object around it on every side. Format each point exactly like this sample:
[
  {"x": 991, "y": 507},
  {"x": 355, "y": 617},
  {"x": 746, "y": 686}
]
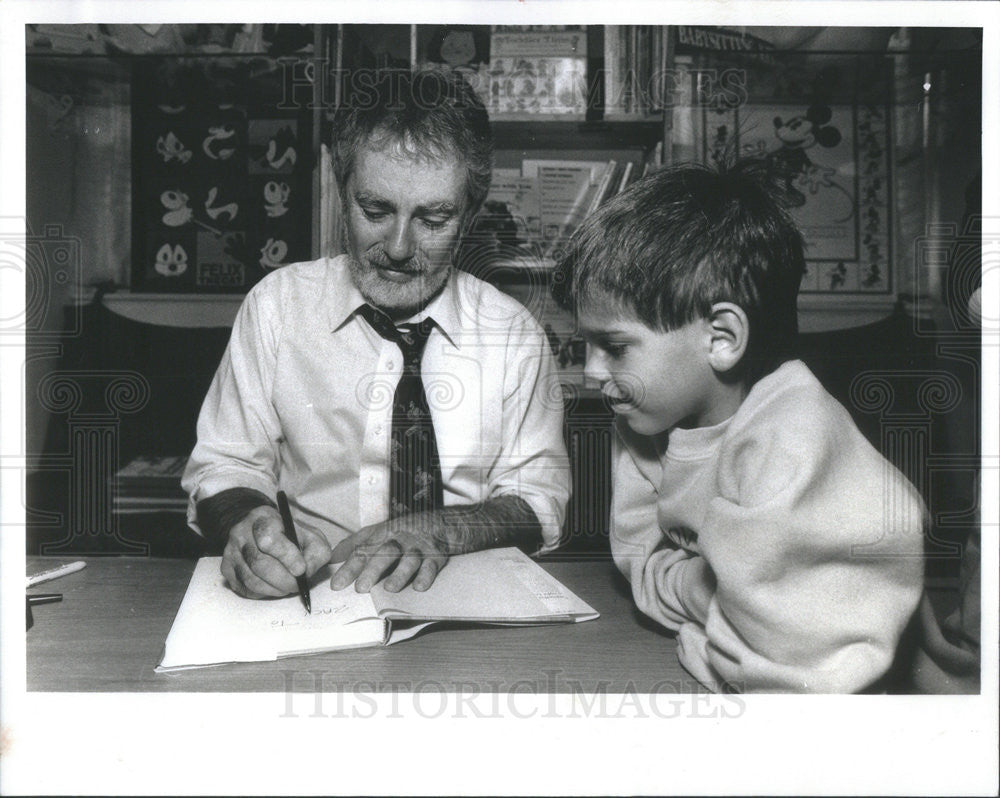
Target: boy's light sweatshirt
[{"x": 781, "y": 546}]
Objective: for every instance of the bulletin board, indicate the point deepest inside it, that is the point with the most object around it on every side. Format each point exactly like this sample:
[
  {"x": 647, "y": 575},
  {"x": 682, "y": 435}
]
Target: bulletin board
[{"x": 222, "y": 171}]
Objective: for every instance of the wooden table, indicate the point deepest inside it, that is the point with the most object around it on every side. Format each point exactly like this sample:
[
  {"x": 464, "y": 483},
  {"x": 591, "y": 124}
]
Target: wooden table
[{"x": 107, "y": 635}]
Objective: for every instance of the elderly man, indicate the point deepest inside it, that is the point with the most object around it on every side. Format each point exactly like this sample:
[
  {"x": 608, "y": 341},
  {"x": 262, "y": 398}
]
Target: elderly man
[{"x": 409, "y": 410}]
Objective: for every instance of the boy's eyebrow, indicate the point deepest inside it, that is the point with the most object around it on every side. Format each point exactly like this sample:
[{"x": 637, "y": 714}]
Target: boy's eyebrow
[{"x": 600, "y": 332}]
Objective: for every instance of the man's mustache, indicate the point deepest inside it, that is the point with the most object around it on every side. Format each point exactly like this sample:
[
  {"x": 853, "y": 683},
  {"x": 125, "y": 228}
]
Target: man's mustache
[{"x": 378, "y": 258}]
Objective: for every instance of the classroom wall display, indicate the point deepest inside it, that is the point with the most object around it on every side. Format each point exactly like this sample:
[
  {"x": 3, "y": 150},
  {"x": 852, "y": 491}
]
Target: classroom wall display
[
  {"x": 821, "y": 123},
  {"x": 462, "y": 47},
  {"x": 537, "y": 72},
  {"x": 465, "y": 48},
  {"x": 222, "y": 170}
]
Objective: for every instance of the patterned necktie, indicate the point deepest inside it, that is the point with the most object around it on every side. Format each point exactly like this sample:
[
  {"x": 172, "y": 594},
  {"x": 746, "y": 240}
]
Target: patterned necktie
[{"x": 414, "y": 465}]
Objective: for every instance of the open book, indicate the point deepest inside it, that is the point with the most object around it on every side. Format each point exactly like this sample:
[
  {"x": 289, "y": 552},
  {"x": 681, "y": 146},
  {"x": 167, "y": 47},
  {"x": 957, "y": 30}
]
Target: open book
[{"x": 497, "y": 586}]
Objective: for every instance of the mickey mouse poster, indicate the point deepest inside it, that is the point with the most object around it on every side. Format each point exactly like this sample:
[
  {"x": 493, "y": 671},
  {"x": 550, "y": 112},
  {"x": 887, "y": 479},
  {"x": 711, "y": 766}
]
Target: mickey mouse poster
[
  {"x": 827, "y": 143},
  {"x": 810, "y": 148},
  {"x": 797, "y": 135}
]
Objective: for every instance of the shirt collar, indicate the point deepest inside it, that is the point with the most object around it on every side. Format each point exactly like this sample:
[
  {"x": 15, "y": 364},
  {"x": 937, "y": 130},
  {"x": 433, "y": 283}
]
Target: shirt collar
[
  {"x": 342, "y": 299},
  {"x": 340, "y": 296},
  {"x": 444, "y": 311}
]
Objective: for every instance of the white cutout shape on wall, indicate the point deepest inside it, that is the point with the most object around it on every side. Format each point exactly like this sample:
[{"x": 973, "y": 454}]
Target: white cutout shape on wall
[
  {"x": 172, "y": 148},
  {"x": 218, "y": 134},
  {"x": 275, "y": 196},
  {"x": 272, "y": 155},
  {"x": 171, "y": 261},
  {"x": 273, "y": 253},
  {"x": 178, "y": 212},
  {"x": 231, "y": 208}
]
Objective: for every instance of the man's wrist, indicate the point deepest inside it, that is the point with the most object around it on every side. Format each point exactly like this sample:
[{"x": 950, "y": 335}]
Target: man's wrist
[
  {"x": 501, "y": 521},
  {"x": 219, "y": 513}
]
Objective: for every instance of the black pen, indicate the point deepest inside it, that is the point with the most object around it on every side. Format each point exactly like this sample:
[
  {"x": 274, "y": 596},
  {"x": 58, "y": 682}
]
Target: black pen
[
  {"x": 43, "y": 598},
  {"x": 32, "y": 599},
  {"x": 286, "y": 519}
]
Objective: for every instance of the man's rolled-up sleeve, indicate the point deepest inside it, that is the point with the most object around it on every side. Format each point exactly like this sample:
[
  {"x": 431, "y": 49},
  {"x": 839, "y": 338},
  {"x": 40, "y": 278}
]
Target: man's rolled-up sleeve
[
  {"x": 238, "y": 428},
  {"x": 533, "y": 464}
]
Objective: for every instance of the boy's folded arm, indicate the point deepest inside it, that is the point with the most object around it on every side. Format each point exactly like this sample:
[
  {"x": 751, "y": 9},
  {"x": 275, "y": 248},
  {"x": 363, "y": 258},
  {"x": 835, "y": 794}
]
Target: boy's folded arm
[
  {"x": 817, "y": 574},
  {"x": 671, "y": 585},
  {"x": 677, "y": 587}
]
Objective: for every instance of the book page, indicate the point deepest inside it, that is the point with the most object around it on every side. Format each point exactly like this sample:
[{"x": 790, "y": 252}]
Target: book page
[
  {"x": 492, "y": 586},
  {"x": 215, "y": 625}
]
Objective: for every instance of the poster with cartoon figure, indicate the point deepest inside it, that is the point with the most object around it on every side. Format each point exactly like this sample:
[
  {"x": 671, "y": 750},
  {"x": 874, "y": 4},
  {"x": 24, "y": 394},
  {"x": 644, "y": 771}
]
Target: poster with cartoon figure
[
  {"x": 827, "y": 144},
  {"x": 221, "y": 192},
  {"x": 811, "y": 150}
]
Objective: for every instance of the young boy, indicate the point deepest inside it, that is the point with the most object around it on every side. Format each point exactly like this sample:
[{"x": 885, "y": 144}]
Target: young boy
[{"x": 749, "y": 513}]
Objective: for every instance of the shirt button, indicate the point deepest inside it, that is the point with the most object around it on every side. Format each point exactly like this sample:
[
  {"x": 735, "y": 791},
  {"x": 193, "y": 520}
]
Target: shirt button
[
  {"x": 378, "y": 430},
  {"x": 372, "y": 480},
  {"x": 390, "y": 365}
]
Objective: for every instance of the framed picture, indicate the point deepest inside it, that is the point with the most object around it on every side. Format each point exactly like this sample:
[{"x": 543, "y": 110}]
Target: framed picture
[{"x": 821, "y": 123}]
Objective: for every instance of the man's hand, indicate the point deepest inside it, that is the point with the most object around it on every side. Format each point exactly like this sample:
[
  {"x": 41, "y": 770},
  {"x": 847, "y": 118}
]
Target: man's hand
[
  {"x": 260, "y": 562},
  {"x": 413, "y": 544},
  {"x": 420, "y": 544}
]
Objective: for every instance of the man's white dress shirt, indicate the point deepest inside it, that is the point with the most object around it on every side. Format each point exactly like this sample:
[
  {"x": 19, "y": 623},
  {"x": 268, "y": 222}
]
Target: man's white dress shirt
[{"x": 302, "y": 401}]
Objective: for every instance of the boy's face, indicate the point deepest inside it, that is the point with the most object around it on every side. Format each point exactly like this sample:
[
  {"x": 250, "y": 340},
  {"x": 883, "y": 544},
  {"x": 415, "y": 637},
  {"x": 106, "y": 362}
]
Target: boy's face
[{"x": 654, "y": 380}]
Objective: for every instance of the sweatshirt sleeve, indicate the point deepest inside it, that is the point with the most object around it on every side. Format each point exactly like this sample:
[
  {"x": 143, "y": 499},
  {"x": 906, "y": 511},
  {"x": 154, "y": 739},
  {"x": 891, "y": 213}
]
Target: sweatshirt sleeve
[
  {"x": 670, "y": 584},
  {"x": 816, "y": 543}
]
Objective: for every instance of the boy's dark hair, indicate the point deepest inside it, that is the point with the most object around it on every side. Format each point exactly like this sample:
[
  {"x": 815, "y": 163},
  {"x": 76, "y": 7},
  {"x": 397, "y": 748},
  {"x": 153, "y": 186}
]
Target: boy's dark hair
[
  {"x": 685, "y": 237},
  {"x": 429, "y": 112}
]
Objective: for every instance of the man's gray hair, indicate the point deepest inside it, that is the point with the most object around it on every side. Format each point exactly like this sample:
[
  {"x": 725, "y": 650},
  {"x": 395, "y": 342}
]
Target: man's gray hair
[{"x": 429, "y": 112}]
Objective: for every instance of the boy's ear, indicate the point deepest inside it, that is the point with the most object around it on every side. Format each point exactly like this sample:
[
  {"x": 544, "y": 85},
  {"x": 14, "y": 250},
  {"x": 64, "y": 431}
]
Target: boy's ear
[{"x": 730, "y": 334}]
